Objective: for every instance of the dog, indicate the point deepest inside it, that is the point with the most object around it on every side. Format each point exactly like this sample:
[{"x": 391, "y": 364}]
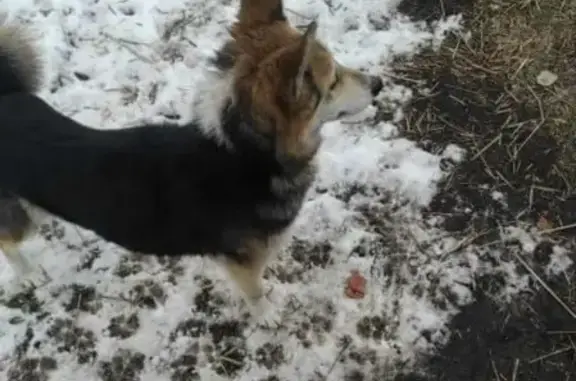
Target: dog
[{"x": 228, "y": 184}]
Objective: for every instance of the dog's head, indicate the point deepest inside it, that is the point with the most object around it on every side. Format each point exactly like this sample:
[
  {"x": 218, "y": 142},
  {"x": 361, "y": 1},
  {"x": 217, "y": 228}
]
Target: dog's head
[{"x": 288, "y": 81}]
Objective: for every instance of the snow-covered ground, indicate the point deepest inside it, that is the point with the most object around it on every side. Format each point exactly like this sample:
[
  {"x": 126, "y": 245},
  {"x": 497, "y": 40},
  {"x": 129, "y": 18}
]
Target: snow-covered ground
[{"x": 108, "y": 315}]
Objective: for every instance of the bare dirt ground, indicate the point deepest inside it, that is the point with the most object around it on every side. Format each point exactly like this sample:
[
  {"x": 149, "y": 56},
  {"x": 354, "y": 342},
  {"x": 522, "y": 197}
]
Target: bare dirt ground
[{"x": 506, "y": 92}]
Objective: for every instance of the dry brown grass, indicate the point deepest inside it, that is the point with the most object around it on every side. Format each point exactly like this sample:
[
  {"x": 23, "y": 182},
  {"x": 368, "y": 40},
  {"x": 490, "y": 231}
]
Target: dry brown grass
[
  {"x": 522, "y": 39},
  {"x": 485, "y": 96}
]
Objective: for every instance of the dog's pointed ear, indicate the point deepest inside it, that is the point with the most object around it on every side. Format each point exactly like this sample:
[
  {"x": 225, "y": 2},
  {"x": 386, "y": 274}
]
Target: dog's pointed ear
[
  {"x": 261, "y": 11},
  {"x": 303, "y": 58}
]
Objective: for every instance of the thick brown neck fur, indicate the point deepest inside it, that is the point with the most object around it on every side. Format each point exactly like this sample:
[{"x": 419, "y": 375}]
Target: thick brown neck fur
[
  {"x": 260, "y": 11},
  {"x": 271, "y": 111},
  {"x": 238, "y": 123}
]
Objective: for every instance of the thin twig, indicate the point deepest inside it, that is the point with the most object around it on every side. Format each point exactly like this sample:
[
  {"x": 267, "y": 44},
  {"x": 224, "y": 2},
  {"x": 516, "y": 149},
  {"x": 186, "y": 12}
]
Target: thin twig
[
  {"x": 463, "y": 243},
  {"x": 528, "y": 138},
  {"x": 555, "y": 353},
  {"x": 337, "y": 359},
  {"x": 402, "y": 78},
  {"x": 492, "y": 142},
  {"x": 560, "y": 228},
  {"x": 128, "y": 45},
  {"x": 546, "y": 287},
  {"x": 515, "y": 369},
  {"x": 495, "y": 370}
]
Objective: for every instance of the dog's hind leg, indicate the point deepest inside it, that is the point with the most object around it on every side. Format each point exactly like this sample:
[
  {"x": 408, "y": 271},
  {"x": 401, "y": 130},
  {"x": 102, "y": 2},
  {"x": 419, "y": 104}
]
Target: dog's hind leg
[
  {"x": 246, "y": 269},
  {"x": 15, "y": 227},
  {"x": 17, "y": 261}
]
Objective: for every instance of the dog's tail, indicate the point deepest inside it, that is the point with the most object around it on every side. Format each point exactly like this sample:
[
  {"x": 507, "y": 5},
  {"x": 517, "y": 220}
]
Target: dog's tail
[{"x": 20, "y": 63}]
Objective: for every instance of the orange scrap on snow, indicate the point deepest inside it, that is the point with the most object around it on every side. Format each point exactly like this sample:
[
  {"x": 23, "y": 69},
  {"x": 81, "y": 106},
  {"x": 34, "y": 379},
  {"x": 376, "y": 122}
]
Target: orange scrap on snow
[{"x": 355, "y": 285}]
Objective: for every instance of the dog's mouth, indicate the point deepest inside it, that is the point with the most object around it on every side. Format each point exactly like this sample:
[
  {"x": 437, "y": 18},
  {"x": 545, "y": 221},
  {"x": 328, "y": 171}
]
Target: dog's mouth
[{"x": 349, "y": 113}]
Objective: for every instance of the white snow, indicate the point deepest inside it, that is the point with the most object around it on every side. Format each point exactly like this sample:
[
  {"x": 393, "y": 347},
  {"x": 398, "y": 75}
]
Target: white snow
[{"x": 120, "y": 45}]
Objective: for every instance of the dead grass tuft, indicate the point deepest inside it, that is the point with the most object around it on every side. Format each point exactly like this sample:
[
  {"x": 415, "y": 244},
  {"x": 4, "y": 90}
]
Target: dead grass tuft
[
  {"x": 529, "y": 38},
  {"x": 487, "y": 93}
]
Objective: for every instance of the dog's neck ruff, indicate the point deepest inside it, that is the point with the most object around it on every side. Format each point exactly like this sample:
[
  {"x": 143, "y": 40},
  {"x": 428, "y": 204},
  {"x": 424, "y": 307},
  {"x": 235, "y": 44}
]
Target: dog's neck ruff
[
  {"x": 238, "y": 129},
  {"x": 230, "y": 125}
]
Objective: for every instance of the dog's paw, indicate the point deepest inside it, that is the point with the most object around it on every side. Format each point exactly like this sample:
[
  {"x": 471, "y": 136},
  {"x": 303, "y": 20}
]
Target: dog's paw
[{"x": 265, "y": 314}]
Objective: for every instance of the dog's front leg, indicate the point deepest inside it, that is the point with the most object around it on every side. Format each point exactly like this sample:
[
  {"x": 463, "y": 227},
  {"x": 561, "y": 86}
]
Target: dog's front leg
[
  {"x": 246, "y": 269},
  {"x": 27, "y": 274},
  {"x": 16, "y": 226}
]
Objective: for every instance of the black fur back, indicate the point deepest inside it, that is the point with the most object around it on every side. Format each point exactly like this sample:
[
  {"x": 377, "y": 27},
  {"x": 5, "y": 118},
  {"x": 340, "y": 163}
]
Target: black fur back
[
  {"x": 156, "y": 189},
  {"x": 160, "y": 189}
]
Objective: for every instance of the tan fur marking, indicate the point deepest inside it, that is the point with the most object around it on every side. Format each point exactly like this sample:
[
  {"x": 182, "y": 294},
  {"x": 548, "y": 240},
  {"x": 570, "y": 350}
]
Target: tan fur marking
[
  {"x": 248, "y": 273},
  {"x": 322, "y": 67},
  {"x": 14, "y": 237},
  {"x": 260, "y": 11},
  {"x": 272, "y": 66},
  {"x": 257, "y": 42},
  {"x": 248, "y": 277},
  {"x": 16, "y": 226},
  {"x": 288, "y": 80},
  {"x": 15, "y": 222},
  {"x": 11, "y": 250},
  {"x": 305, "y": 51}
]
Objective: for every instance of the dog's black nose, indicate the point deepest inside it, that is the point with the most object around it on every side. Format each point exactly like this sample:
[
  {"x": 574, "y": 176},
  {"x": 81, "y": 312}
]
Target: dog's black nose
[{"x": 376, "y": 85}]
